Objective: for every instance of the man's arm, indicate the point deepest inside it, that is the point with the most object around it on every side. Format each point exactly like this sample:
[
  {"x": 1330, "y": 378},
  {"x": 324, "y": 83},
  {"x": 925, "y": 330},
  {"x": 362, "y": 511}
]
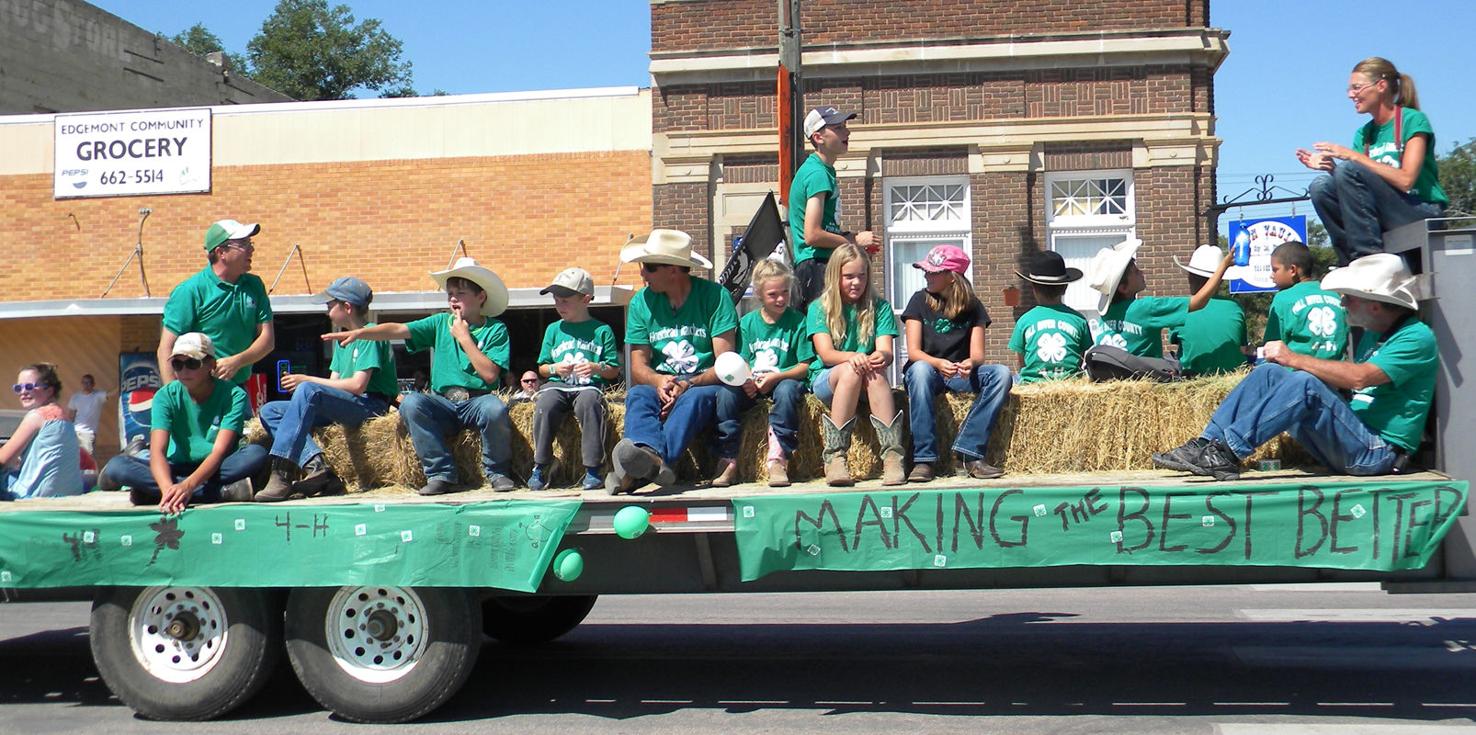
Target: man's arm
[
  {"x": 355, "y": 384},
  {"x": 1336, "y": 373},
  {"x": 165, "y": 351},
  {"x": 640, "y": 368}
]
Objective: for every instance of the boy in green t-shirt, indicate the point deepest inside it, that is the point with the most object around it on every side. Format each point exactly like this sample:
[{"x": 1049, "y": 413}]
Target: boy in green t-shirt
[
  {"x": 1051, "y": 337},
  {"x": 361, "y": 384},
  {"x": 1212, "y": 340},
  {"x": 580, "y": 360},
  {"x": 1309, "y": 320},
  {"x": 194, "y": 454},
  {"x": 469, "y": 352},
  {"x": 814, "y": 204},
  {"x": 1128, "y": 330}
]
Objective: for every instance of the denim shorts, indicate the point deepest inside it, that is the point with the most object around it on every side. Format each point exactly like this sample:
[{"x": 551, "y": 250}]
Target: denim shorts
[{"x": 820, "y": 386}]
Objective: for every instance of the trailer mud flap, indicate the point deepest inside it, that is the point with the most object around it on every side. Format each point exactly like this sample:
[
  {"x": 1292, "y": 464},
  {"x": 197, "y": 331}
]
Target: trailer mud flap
[
  {"x": 503, "y": 544},
  {"x": 1377, "y": 525}
]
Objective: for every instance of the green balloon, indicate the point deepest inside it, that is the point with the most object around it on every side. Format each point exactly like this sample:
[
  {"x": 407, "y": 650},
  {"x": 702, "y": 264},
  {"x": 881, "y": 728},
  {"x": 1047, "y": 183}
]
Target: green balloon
[
  {"x": 631, "y": 521},
  {"x": 568, "y": 565}
]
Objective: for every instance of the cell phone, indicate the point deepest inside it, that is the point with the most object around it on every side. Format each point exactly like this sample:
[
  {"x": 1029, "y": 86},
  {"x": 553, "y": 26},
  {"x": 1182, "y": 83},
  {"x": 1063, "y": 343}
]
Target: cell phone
[{"x": 284, "y": 367}]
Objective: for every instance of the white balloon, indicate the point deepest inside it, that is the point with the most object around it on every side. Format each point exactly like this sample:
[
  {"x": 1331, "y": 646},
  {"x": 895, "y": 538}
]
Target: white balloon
[{"x": 732, "y": 369}]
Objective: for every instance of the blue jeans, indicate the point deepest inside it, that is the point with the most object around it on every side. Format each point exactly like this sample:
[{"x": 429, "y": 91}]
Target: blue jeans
[
  {"x": 694, "y": 409},
  {"x": 788, "y": 395},
  {"x": 1357, "y": 208},
  {"x": 238, "y": 465},
  {"x": 314, "y": 405},
  {"x": 431, "y": 418},
  {"x": 990, "y": 383},
  {"x": 1272, "y": 400}
]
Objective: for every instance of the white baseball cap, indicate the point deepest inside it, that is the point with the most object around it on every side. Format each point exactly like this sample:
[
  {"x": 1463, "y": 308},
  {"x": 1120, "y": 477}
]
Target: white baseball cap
[
  {"x": 193, "y": 344},
  {"x": 571, "y": 281},
  {"x": 822, "y": 116}
]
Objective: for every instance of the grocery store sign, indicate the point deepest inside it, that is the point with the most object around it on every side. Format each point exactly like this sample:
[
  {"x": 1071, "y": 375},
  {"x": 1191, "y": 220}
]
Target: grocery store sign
[
  {"x": 130, "y": 153},
  {"x": 1377, "y": 525}
]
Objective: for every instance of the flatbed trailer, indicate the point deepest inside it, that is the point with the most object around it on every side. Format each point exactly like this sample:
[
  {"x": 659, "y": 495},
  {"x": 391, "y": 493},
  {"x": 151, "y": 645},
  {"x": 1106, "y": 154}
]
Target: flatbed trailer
[{"x": 381, "y": 599}]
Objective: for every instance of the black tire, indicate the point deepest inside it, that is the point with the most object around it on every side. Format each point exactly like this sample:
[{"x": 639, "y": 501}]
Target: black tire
[
  {"x": 533, "y": 619},
  {"x": 243, "y": 658},
  {"x": 449, "y": 622}
]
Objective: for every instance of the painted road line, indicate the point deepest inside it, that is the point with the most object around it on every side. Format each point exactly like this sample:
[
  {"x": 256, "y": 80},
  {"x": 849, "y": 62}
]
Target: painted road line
[{"x": 1319, "y": 587}]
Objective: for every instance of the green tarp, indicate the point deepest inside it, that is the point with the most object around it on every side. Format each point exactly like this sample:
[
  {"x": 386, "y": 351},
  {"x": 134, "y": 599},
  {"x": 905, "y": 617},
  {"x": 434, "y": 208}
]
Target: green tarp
[
  {"x": 504, "y": 544},
  {"x": 1380, "y": 525}
]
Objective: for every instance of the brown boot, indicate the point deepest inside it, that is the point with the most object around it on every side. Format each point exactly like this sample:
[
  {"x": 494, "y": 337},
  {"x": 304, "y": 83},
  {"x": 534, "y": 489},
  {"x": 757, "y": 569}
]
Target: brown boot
[
  {"x": 727, "y": 473},
  {"x": 837, "y": 445},
  {"x": 279, "y": 486},
  {"x": 778, "y": 473},
  {"x": 921, "y": 472},
  {"x": 889, "y": 440}
]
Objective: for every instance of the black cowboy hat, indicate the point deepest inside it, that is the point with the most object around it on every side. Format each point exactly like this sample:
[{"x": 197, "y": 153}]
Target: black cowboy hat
[{"x": 1049, "y": 268}]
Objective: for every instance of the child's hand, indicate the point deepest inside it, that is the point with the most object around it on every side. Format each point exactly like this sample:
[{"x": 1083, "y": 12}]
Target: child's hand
[
  {"x": 945, "y": 368},
  {"x": 751, "y": 389},
  {"x": 582, "y": 369},
  {"x": 877, "y": 361},
  {"x": 344, "y": 339},
  {"x": 459, "y": 328},
  {"x": 860, "y": 364}
]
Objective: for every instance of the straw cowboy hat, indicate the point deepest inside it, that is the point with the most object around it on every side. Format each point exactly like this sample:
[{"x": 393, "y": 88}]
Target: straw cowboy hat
[
  {"x": 1379, "y": 277},
  {"x": 1107, "y": 267},
  {"x": 1204, "y": 262},
  {"x": 467, "y": 268},
  {"x": 665, "y": 247}
]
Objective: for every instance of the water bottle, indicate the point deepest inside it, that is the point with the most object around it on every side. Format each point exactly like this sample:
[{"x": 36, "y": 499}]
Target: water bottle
[{"x": 1242, "y": 248}]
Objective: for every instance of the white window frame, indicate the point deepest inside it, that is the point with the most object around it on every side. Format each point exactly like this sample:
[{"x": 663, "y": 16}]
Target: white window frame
[
  {"x": 909, "y": 232},
  {"x": 1061, "y": 229}
]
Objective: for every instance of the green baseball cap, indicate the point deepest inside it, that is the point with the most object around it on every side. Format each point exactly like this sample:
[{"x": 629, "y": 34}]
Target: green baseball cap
[{"x": 228, "y": 229}]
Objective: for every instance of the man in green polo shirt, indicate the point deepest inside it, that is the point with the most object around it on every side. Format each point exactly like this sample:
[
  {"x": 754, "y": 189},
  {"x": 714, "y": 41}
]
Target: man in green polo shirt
[
  {"x": 814, "y": 204},
  {"x": 224, "y": 301}
]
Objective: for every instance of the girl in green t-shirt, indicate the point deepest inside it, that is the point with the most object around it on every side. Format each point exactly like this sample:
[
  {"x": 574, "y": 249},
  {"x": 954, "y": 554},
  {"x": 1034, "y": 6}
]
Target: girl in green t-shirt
[
  {"x": 774, "y": 342},
  {"x": 1388, "y": 177},
  {"x": 853, "y": 330}
]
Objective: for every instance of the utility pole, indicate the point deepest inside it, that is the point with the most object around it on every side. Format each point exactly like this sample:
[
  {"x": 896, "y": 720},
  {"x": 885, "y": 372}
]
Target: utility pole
[{"x": 791, "y": 97}]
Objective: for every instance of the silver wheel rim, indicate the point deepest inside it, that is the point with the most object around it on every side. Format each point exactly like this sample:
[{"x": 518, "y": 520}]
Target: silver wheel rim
[
  {"x": 178, "y": 634},
  {"x": 375, "y": 634}
]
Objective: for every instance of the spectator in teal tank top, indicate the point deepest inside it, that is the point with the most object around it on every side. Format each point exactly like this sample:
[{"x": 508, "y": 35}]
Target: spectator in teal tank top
[
  {"x": 1309, "y": 320},
  {"x": 1388, "y": 177}
]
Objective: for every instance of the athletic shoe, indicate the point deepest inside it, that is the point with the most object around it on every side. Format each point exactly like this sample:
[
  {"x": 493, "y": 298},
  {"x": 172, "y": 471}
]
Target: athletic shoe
[
  {"x": 536, "y": 480},
  {"x": 1217, "y": 460},
  {"x": 1182, "y": 457},
  {"x": 592, "y": 480}
]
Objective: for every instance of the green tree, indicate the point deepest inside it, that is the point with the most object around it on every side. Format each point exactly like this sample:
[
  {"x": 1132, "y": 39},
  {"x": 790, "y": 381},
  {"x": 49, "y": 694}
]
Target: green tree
[
  {"x": 1458, "y": 177},
  {"x": 312, "y": 51},
  {"x": 198, "y": 40}
]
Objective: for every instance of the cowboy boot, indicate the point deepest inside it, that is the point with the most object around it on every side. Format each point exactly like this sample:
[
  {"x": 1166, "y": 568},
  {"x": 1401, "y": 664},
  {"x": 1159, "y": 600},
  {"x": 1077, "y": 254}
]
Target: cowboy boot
[
  {"x": 889, "y": 441},
  {"x": 279, "y": 486},
  {"x": 837, "y": 445}
]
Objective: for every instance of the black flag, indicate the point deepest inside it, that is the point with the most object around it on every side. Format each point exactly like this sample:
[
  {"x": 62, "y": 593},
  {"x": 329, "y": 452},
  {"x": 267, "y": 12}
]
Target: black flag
[{"x": 763, "y": 234}]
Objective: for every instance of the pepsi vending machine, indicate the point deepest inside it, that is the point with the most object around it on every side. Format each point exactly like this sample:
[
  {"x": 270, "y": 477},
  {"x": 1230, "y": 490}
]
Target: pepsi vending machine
[{"x": 138, "y": 380}]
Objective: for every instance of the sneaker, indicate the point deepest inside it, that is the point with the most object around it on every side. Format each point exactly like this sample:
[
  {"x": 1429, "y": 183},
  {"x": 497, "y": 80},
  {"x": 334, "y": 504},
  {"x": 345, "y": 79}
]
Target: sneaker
[
  {"x": 921, "y": 472},
  {"x": 592, "y": 480},
  {"x": 237, "y": 492},
  {"x": 502, "y": 483},
  {"x": 981, "y": 470},
  {"x": 727, "y": 473},
  {"x": 537, "y": 480},
  {"x": 1217, "y": 460},
  {"x": 140, "y": 496},
  {"x": 1182, "y": 457},
  {"x": 437, "y": 486}
]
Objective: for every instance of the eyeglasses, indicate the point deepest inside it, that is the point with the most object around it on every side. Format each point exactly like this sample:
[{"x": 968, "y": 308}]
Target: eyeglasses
[
  {"x": 1356, "y": 88},
  {"x": 530, "y": 381},
  {"x": 26, "y": 387},
  {"x": 239, "y": 244},
  {"x": 185, "y": 363}
]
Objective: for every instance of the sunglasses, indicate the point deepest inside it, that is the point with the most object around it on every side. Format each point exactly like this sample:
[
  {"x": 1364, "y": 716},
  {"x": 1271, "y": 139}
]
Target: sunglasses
[
  {"x": 185, "y": 363},
  {"x": 26, "y": 387},
  {"x": 651, "y": 267},
  {"x": 528, "y": 381}
]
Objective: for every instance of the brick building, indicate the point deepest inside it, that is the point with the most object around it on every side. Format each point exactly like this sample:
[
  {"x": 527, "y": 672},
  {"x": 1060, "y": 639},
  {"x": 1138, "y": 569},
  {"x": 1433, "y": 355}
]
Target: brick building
[
  {"x": 381, "y": 189},
  {"x": 1004, "y": 127}
]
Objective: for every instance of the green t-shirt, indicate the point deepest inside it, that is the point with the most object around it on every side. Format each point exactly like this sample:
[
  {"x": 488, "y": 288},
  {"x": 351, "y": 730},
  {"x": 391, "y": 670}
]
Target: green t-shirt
[
  {"x": 1052, "y": 337},
  {"x": 1137, "y": 325},
  {"x": 1211, "y": 338},
  {"x": 377, "y": 357},
  {"x": 1396, "y": 410},
  {"x": 449, "y": 364},
  {"x": 193, "y": 426},
  {"x": 578, "y": 342},
  {"x": 681, "y": 340},
  {"x": 776, "y": 347},
  {"x": 1381, "y": 147},
  {"x": 814, "y": 176},
  {"x": 885, "y": 326},
  {"x": 228, "y": 313},
  {"x": 1309, "y": 320}
]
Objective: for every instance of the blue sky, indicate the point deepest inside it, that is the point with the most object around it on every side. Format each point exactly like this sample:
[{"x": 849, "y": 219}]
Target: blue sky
[{"x": 1281, "y": 87}]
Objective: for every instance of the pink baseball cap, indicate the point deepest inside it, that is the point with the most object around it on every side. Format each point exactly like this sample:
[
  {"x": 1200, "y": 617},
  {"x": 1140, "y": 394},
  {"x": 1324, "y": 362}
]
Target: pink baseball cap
[{"x": 944, "y": 258}]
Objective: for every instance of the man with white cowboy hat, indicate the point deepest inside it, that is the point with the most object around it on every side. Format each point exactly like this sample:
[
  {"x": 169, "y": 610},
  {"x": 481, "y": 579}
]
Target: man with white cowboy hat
[
  {"x": 1212, "y": 339},
  {"x": 224, "y": 301},
  {"x": 1392, "y": 383},
  {"x": 1128, "y": 329},
  {"x": 469, "y": 352},
  {"x": 676, "y": 327},
  {"x": 814, "y": 203}
]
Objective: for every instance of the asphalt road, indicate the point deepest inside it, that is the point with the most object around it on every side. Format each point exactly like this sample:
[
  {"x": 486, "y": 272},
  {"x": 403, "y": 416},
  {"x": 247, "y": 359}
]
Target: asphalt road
[{"x": 1344, "y": 659}]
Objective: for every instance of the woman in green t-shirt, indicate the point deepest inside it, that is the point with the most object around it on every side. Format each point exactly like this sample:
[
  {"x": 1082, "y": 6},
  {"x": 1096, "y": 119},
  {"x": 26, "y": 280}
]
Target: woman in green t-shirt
[
  {"x": 1388, "y": 177},
  {"x": 853, "y": 330}
]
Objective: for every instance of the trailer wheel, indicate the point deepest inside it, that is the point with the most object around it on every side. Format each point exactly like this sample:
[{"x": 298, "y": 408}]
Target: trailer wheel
[
  {"x": 533, "y": 619},
  {"x": 185, "y": 653},
  {"x": 382, "y": 654}
]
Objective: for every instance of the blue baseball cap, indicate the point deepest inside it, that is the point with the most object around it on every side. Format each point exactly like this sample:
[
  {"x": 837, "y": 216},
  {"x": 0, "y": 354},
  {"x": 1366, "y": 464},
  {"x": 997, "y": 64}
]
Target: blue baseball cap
[{"x": 349, "y": 290}]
